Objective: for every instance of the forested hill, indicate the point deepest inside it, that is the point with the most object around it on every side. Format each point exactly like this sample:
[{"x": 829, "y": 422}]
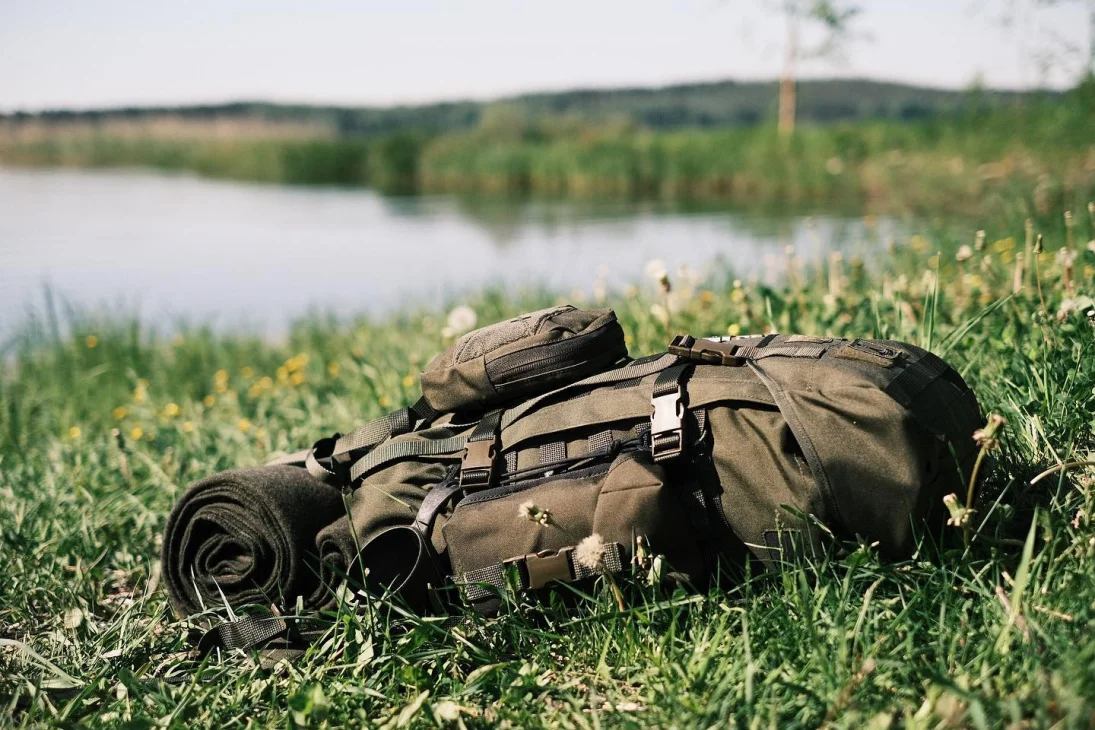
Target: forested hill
[{"x": 717, "y": 104}]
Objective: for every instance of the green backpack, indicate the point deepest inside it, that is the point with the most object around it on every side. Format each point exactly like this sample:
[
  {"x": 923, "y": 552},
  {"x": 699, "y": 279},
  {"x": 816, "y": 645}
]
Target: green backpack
[{"x": 539, "y": 453}]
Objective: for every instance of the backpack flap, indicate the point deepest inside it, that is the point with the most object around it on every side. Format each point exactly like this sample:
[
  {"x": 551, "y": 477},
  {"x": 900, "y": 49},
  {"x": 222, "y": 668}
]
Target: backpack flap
[{"x": 522, "y": 357}]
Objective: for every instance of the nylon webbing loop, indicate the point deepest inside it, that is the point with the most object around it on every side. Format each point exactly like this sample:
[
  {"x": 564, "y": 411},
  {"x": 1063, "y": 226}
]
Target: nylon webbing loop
[
  {"x": 245, "y": 633},
  {"x": 667, "y": 417},
  {"x": 477, "y": 466},
  {"x": 537, "y": 570}
]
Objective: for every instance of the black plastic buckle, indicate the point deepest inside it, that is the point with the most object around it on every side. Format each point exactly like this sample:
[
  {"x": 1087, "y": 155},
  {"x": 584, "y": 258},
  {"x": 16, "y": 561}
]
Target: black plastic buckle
[
  {"x": 477, "y": 467},
  {"x": 712, "y": 352},
  {"x": 667, "y": 426}
]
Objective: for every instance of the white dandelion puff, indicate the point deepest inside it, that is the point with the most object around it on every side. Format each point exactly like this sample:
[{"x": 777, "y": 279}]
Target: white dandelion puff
[{"x": 590, "y": 552}]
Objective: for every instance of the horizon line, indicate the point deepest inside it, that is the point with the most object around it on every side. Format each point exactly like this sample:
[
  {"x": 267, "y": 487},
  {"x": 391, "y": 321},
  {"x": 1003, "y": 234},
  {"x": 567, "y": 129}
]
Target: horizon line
[{"x": 508, "y": 96}]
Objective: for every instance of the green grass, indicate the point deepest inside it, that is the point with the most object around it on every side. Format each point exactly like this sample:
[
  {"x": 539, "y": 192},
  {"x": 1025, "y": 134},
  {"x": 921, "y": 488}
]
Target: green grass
[
  {"x": 103, "y": 422},
  {"x": 975, "y": 161}
]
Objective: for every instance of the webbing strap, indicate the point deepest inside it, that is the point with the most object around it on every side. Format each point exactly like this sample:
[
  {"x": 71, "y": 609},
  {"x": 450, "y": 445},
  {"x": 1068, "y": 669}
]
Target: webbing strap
[
  {"x": 536, "y": 570},
  {"x": 402, "y": 450},
  {"x": 329, "y": 458},
  {"x": 245, "y": 633},
  {"x": 637, "y": 369},
  {"x": 553, "y": 451},
  {"x": 915, "y": 378}
]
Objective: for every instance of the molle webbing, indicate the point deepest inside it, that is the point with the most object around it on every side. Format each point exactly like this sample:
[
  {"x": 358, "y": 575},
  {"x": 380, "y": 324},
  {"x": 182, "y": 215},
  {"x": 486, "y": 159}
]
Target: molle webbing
[
  {"x": 404, "y": 450},
  {"x": 535, "y": 571},
  {"x": 400, "y": 450}
]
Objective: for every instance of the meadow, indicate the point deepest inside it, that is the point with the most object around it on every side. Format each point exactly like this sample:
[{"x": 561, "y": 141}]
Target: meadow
[{"x": 103, "y": 422}]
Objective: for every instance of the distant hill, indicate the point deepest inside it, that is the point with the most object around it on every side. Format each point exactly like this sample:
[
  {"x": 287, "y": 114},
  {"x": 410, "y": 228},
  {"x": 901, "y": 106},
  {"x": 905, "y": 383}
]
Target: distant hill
[{"x": 716, "y": 104}]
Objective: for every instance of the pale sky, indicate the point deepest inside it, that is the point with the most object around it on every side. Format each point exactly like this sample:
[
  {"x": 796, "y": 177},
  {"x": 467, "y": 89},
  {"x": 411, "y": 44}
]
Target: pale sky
[{"x": 69, "y": 53}]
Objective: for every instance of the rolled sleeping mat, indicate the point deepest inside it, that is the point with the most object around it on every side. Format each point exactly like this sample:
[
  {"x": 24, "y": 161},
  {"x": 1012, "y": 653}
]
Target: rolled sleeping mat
[{"x": 248, "y": 536}]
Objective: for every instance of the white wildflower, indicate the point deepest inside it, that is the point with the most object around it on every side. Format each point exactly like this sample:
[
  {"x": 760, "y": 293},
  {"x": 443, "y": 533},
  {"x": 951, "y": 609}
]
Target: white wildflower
[
  {"x": 965, "y": 253},
  {"x": 534, "y": 513}
]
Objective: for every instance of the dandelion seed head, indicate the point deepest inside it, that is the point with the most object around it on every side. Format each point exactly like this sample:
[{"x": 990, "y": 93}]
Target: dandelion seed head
[
  {"x": 460, "y": 320},
  {"x": 590, "y": 552}
]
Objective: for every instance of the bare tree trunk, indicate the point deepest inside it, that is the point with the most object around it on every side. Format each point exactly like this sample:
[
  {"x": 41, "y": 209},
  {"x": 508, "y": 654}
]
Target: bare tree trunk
[
  {"x": 1091, "y": 40},
  {"x": 787, "y": 79}
]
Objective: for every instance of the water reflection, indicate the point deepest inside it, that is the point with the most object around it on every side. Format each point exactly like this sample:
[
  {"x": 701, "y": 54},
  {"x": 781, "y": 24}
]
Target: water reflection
[{"x": 238, "y": 254}]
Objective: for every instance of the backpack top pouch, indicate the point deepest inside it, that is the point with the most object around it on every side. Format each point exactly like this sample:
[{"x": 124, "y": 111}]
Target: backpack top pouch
[{"x": 536, "y": 352}]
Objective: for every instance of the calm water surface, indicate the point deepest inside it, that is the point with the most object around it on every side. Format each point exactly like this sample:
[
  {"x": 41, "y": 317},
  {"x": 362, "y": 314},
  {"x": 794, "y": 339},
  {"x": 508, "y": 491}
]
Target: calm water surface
[{"x": 256, "y": 256}]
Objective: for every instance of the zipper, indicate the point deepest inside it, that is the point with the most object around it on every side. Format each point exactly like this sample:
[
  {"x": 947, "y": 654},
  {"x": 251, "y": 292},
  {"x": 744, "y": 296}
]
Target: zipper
[{"x": 510, "y": 370}]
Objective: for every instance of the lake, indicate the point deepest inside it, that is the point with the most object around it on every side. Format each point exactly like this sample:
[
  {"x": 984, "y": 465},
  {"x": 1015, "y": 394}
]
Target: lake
[{"x": 245, "y": 255}]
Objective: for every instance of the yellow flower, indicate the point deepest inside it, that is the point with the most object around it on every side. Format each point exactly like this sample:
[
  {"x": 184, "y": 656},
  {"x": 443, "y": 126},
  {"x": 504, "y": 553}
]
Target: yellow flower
[
  {"x": 171, "y": 410},
  {"x": 74, "y": 432},
  {"x": 140, "y": 394},
  {"x": 266, "y": 382},
  {"x": 383, "y": 401},
  {"x": 408, "y": 381},
  {"x": 283, "y": 374},
  {"x": 244, "y": 425},
  {"x": 91, "y": 341},
  {"x": 220, "y": 381},
  {"x": 734, "y": 330},
  {"x": 358, "y": 351},
  {"x": 187, "y": 427},
  {"x": 209, "y": 401},
  {"x": 136, "y": 433},
  {"x": 333, "y": 369},
  {"x": 296, "y": 363},
  {"x": 247, "y": 372},
  {"x": 260, "y": 433},
  {"x": 296, "y": 378},
  {"x": 119, "y": 413}
]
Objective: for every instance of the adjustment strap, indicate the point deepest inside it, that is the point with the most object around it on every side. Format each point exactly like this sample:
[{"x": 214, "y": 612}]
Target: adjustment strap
[
  {"x": 329, "y": 459},
  {"x": 536, "y": 570},
  {"x": 388, "y": 453},
  {"x": 246, "y": 633},
  {"x": 477, "y": 467},
  {"x": 667, "y": 417},
  {"x": 736, "y": 351},
  {"x": 434, "y": 502}
]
